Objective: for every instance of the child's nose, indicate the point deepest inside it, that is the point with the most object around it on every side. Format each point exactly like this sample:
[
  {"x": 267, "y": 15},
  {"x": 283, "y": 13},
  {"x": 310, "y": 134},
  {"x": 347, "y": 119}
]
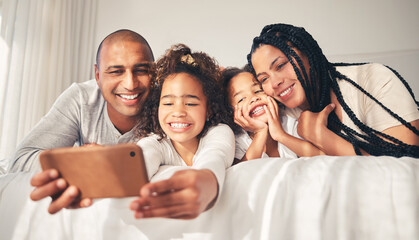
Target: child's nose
[
  {"x": 179, "y": 111},
  {"x": 254, "y": 99}
]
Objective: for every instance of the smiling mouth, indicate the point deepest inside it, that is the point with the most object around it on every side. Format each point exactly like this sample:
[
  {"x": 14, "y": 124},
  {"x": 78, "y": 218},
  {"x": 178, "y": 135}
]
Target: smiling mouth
[
  {"x": 257, "y": 111},
  {"x": 129, "y": 97},
  {"x": 179, "y": 125},
  {"x": 283, "y": 93}
]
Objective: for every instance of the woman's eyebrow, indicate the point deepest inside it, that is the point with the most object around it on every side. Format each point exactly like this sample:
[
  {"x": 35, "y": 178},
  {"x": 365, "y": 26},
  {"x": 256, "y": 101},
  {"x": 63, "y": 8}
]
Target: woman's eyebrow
[{"x": 270, "y": 66}]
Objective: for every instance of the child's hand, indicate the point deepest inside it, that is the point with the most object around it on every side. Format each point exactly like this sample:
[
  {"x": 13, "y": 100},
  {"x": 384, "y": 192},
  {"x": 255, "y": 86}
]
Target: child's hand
[
  {"x": 274, "y": 121},
  {"x": 246, "y": 122},
  {"x": 183, "y": 196}
]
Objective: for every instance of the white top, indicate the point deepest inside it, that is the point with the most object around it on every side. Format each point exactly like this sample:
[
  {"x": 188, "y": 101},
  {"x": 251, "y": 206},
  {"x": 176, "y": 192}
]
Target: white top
[
  {"x": 215, "y": 152},
  {"x": 382, "y": 84},
  {"x": 289, "y": 125}
]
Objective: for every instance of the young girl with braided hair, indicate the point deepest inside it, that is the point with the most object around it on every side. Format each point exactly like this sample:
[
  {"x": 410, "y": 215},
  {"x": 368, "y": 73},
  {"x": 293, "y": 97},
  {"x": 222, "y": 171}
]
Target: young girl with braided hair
[
  {"x": 181, "y": 125},
  {"x": 262, "y": 130},
  {"x": 343, "y": 109}
]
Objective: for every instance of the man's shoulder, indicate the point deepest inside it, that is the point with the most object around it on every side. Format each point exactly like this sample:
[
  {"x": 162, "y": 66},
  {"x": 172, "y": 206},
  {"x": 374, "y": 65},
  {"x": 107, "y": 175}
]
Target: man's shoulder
[
  {"x": 87, "y": 86},
  {"x": 85, "y": 92}
]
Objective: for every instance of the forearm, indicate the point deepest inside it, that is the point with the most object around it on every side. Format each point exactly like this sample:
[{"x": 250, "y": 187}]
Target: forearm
[
  {"x": 300, "y": 147},
  {"x": 217, "y": 153},
  {"x": 333, "y": 145},
  {"x": 257, "y": 146},
  {"x": 58, "y": 128},
  {"x": 27, "y": 155}
]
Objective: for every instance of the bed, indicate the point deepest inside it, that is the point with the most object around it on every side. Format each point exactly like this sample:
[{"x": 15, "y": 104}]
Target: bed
[{"x": 321, "y": 197}]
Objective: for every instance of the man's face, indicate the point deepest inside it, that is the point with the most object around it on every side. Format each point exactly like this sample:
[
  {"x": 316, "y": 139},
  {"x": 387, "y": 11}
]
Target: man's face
[{"x": 123, "y": 76}]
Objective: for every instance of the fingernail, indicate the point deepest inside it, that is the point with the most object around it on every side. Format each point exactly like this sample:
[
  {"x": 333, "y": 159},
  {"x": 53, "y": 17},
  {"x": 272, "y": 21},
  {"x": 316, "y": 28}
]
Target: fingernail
[
  {"x": 61, "y": 183},
  {"x": 72, "y": 191},
  {"x": 146, "y": 192},
  {"x": 135, "y": 206},
  {"x": 139, "y": 215},
  {"x": 86, "y": 202},
  {"x": 53, "y": 173}
]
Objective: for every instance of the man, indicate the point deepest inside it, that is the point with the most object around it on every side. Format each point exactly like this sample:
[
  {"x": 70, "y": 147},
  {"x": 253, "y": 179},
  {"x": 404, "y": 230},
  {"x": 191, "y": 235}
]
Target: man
[{"x": 105, "y": 112}]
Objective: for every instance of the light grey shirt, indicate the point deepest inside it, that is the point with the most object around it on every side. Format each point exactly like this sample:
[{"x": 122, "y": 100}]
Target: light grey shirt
[{"x": 79, "y": 116}]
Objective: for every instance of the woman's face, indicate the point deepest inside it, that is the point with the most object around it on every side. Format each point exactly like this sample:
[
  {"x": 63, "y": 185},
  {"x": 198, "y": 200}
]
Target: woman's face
[
  {"x": 277, "y": 76},
  {"x": 245, "y": 91},
  {"x": 182, "y": 108}
]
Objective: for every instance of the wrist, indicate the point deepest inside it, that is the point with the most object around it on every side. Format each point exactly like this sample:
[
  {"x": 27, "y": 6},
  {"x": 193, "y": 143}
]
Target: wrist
[
  {"x": 279, "y": 136},
  {"x": 213, "y": 187},
  {"x": 261, "y": 131}
]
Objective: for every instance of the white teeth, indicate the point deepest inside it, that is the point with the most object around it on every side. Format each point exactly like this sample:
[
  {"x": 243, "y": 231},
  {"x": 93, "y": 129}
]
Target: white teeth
[
  {"x": 257, "y": 110},
  {"x": 179, "y": 125},
  {"x": 285, "y": 92},
  {"x": 129, "y": 97}
]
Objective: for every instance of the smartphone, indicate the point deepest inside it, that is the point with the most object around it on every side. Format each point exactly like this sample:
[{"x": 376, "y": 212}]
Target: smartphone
[{"x": 100, "y": 171}]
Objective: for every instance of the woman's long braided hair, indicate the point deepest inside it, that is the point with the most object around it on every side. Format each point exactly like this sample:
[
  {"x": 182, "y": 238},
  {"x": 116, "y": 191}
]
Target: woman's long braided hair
[{"x": 323, "y": 76}]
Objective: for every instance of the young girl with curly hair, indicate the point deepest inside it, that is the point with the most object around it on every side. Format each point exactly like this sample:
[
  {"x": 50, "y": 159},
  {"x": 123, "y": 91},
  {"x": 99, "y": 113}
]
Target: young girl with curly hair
[
  {"x": 181, "y": 125},
  {"x": 262, "y": 131}
]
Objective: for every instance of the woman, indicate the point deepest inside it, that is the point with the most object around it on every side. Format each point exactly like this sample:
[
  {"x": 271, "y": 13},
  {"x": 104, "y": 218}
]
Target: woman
[{"x": 374, "y": 108}]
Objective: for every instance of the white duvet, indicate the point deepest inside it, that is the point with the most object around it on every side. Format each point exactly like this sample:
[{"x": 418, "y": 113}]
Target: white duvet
[{"x": 306, "y": 198}]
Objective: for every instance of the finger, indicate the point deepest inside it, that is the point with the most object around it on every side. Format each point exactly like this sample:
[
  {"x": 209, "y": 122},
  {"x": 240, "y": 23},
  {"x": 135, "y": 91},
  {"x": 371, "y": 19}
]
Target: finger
[
  {"x": 44, "y": 177},
  {"x": 183, "y": 211},
  {"x": 268, "y": 113},
  {"x": 275, "y": 105},
  {"x": 241, "y": 121},
  {"x": 246, "y": 114},
  {"x": 187, "y": 195},
  {"x": 92, "y": 145},
  {"x": 85, "y": 202},
  {"x": 328, "y": 109},
  {"x": 162, "y": 187},
  {"x": 66, "y": 199},
  {"x": 50, "y": 189}
]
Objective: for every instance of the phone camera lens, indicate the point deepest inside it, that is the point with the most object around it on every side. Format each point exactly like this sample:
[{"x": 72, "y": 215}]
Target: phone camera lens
[{"x": 132, "y": 154}]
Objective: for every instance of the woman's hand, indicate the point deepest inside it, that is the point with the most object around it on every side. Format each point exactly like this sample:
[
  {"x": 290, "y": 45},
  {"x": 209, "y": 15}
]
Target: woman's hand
[{"x": 312, "y": 126}]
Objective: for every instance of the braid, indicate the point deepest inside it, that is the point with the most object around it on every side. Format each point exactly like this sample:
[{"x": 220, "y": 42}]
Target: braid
[
  {"x": 405, "y": 84},
  {"x": 322, "y": 77}
]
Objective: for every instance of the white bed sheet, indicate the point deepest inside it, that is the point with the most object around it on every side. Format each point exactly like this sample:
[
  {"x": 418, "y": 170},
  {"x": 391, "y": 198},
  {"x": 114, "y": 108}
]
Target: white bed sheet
[{"x": 306, "y": 198}]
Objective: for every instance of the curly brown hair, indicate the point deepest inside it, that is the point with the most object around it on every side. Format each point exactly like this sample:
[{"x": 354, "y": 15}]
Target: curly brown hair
[
  {"x": 226, "y": 76},
  {"x": 180, "y": 59}
]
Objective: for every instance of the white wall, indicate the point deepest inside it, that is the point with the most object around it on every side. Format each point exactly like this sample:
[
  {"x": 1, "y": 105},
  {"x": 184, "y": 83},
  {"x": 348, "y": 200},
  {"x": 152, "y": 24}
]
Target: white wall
[{"x": 385, "y": 31}]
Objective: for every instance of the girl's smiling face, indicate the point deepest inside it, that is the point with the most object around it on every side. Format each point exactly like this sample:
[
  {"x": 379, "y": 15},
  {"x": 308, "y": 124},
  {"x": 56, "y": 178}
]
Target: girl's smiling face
[
  {"x": 182, "y": 109},
  {"x": 244, "y": 90},
  {"x": 277, "y": 76}
]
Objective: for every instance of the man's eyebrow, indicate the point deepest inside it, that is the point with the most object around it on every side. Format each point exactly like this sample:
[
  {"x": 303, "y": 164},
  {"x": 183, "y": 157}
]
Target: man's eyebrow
[
  {"x": 270, "y": 66},
  {"x": 115, "y": 66},
  {"x": 140, "y": 65}
]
